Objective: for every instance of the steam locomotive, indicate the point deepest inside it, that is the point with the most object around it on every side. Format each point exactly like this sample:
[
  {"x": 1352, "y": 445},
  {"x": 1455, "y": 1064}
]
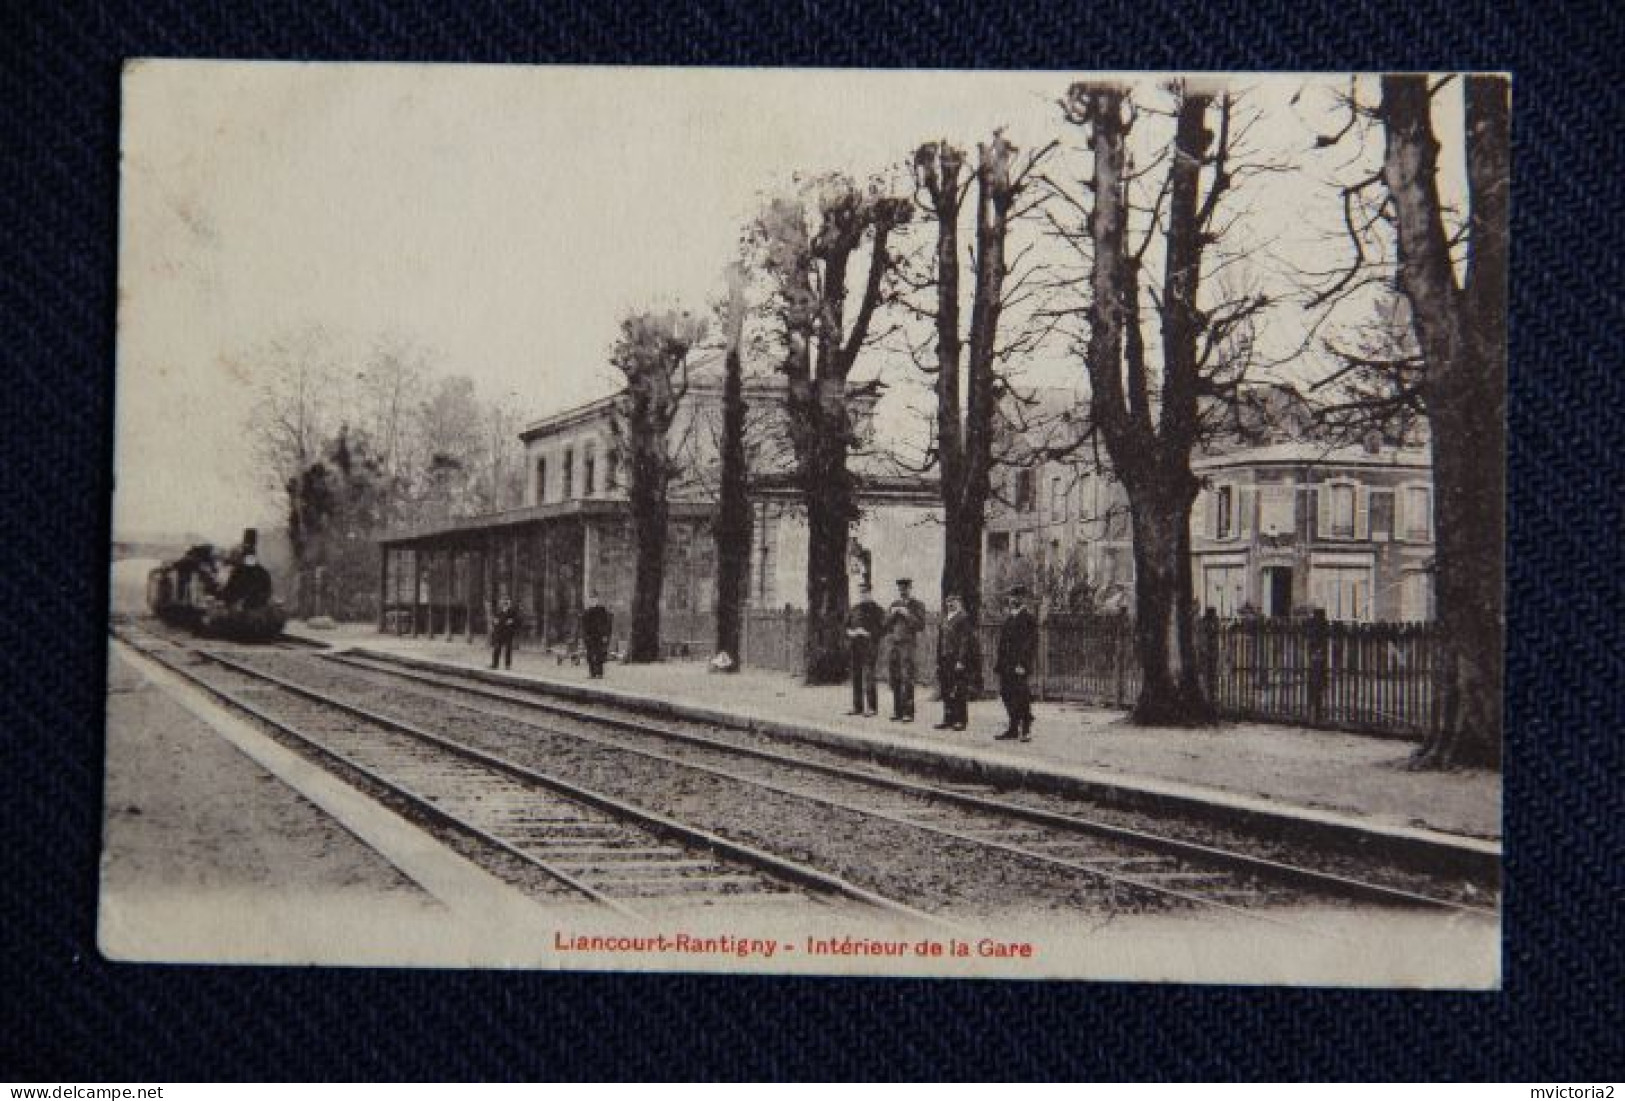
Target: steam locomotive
[{"x": 215, "y": 595}]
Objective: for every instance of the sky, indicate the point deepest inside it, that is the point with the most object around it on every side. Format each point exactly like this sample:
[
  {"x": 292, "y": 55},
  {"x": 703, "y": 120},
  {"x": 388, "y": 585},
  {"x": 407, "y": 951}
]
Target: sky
[{"x": 503, "y": 218}]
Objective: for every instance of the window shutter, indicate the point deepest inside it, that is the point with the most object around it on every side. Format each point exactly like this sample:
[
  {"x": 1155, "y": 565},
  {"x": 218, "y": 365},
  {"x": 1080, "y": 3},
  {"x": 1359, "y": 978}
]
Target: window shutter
[
  {"x": 1400, "y": 535},
  {"x": 1199, "y": 510},
  {"x": 1362, "y": 512},
  {"x": 1323, "y": 511},
  {"x": 1246, "y": 505}
]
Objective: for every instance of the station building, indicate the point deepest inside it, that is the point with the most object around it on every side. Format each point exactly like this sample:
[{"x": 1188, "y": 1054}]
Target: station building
[{"x": 573, "y": 536}]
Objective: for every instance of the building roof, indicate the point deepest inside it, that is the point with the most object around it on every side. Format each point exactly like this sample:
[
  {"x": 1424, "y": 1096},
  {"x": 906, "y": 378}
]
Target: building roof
[
  {"x": 530, "y": 514},
  {"x": 1309, "y": 452},
  {"x": 705, "y": 377}
]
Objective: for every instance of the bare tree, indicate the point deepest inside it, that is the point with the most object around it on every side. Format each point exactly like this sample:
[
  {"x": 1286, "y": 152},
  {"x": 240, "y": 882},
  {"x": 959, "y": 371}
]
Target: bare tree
[
  {"x": 290, "y": 422},
  {"x": 1449, "y": 366},
  {"x": 652, "y": 354},
  {"x": 391, "y": 386},
  {"x": 807, "y": 244},
  {"x": 965, "y": 418},
  {"x": 1151, "y": 419}
]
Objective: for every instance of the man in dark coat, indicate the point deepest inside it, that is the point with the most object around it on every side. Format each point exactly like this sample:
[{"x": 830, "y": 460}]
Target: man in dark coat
[
  {"x": 504, "y": 626},
  {"x": 596, "y": 624},
  {"x": 905, "y": 619},
  {"x": 1018, "y": 647},
  {"x": 958, "y": 655},
  {"x": 864, "y": 622}
]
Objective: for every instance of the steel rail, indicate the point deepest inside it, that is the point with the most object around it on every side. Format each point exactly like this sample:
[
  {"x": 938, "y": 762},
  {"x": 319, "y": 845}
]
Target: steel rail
[
  {"x": 1329, "y": 882},
  {"x": 661, "y": 825},
  {"x": 417, "y": 800}
]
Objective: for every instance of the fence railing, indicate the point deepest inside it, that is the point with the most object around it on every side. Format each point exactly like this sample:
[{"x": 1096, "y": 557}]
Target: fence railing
[{"x": 1372, "y": 677}]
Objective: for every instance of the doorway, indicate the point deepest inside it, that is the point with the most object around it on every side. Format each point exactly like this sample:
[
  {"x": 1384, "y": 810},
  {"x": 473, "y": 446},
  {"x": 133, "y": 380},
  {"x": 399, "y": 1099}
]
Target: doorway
[{"x": 1278, "y": 591}]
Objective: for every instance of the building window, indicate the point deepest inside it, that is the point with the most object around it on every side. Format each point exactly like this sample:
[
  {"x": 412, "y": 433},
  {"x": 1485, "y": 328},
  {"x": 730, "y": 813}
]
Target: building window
[
  {"x": 588, "y": 463},
  {"x": 1418, "y": 513},
  {"x": 541, "y": 481},
  {"x": 611, "y": 461},
  {"x": 569, "y": 474},
  {"x": 1341, "y": 509},
  {"x": 1382, "y": 514},
  {"x": 1026, "y": 491},
  {"x": 1416, "y": 597},
  {"x": 1057, "y": 499},
  {"x": 1224, "y": 520},
  {"x": 1343, "y": 591},
  {"x": 1223, "y": 589}
]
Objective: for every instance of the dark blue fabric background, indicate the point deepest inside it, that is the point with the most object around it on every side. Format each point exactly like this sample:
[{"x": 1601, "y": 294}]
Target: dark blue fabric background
[{"x": 69, "y": 1015}]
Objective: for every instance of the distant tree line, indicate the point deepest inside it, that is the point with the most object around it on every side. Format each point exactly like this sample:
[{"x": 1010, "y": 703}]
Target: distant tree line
[{"x": 351, "y": 448}]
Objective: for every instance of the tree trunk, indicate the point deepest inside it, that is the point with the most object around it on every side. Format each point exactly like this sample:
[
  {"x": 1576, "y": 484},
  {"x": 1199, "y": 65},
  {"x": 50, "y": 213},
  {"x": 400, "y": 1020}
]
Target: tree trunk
[
  {"x": 1462, "y": 335},
  {"x": 733, "y": 528},
  {"x": 830, "y": 511},
  {"x": 1153, "y": 460},
  {"x": 649, "y": 529},
  {"x": 1164, "y": 628},
  {"x": 962, "y": 559}
]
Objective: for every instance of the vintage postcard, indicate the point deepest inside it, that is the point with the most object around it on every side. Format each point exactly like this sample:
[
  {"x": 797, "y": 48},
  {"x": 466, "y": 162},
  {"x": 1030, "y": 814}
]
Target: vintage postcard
[{"x": 1033, "y": 525}]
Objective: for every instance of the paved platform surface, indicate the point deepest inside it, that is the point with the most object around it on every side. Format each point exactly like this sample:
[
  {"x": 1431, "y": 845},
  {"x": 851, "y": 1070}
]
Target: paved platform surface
[{"x": 1339, "y": 778}]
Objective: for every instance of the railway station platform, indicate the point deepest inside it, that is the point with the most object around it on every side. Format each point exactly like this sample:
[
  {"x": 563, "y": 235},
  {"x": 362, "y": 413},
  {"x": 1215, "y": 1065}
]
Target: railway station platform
[{"x": 1351, "y": 784}]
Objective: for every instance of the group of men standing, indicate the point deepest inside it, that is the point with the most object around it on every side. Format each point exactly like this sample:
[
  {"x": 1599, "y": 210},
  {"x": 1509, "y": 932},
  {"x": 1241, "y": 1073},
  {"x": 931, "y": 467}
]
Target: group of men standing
[
  {"x": 887, "y": 639},
  {"x": 596, "y": 625}
]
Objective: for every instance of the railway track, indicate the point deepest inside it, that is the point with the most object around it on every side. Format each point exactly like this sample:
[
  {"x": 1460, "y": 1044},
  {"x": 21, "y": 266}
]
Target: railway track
[
  {"x": 508, "y": 730},
  {"x": 577, "y": 843},
  {"x": 1174, "y": 868}
]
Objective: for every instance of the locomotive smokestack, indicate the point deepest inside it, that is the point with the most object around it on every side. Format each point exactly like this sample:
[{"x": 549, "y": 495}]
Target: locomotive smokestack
[{"x": 251, "y": 540}]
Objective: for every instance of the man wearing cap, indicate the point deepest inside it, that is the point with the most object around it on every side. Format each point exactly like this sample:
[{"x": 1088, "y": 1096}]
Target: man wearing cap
[
  {"x": 904, "y": 621},
  {"x": 504, "y": 626},
  {"x": 1018, "y": 644},
  {"x": 864, "y": 624},
  {"x": 957, "y": 658}
]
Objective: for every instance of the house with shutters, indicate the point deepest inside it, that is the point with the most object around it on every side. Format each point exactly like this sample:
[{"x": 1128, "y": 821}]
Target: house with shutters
[
  {"x": 1280, "y": 527},
  {"x": 1284, "y": 528}
]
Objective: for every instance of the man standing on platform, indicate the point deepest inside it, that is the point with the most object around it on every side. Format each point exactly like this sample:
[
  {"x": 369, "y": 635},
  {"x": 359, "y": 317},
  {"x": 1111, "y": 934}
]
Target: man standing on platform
[
  {"x": 904, "y": 621},
  {"x": 504, "y": 626},
  {"x": 957, "y": 659},
  {"x": 864, "y": 622},
  {"x": 596, "y": 624},
  {"x": 1018, "y": 645}
]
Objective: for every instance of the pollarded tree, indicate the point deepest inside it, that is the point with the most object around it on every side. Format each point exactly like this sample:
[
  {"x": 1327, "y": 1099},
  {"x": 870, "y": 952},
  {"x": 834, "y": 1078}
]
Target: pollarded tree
[
  {"x": 966, "y": 368},
  {"x": 1150, "y": 416},
  {"x": 652, "y": 354},
  {"x": 807, "y": 244}
]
